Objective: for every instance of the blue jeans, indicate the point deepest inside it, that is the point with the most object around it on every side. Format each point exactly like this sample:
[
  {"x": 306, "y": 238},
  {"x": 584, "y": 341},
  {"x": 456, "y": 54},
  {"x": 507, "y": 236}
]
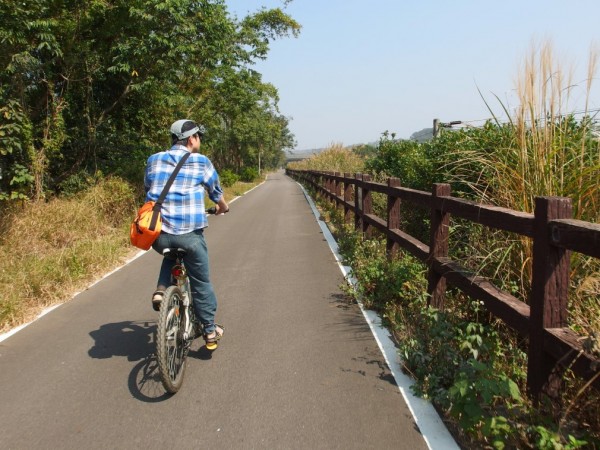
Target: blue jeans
[{"x": 196, "y": 263}]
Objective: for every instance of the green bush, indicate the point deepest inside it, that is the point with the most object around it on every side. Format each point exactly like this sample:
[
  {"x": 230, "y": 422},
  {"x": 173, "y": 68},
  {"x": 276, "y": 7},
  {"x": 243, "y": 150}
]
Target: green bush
[
  {"x": 228, "y": 178},
  {"x": 248, "y": 174},
  {"x": 405, "y": 160},
  {"x": 76, "y": 183}
]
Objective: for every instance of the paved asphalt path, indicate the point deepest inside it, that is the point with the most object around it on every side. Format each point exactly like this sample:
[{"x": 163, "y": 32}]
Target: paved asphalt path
[{"x": 297, "y": 367}]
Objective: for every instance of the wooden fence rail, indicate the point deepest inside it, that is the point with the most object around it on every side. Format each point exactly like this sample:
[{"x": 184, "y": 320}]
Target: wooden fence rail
[{"x": 552, "y": 346}]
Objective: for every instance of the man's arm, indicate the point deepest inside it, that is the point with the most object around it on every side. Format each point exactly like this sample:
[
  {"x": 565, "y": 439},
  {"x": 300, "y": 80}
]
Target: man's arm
[{"x": 213, "y": 186}]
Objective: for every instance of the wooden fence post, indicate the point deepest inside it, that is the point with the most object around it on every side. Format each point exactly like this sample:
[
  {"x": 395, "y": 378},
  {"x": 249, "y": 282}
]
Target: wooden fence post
[
  {"x": 320, "y": 181},
  {"x": 337, "y": 189},
  {"x": 393, "y": 217},
  {"x": 549, "y": 291},
  {"x": 438, "y": 247},
  {"x": 367, "y": 206},
  {"x": 331, "y": 186},
  {"x": 357, "y": 200},
  {"x": 347, "y": 197}
]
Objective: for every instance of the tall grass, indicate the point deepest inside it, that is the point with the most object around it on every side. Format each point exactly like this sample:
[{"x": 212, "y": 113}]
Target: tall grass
[
  {"x": 556, "y": 154},
  {"x": 544, "y": 150}
]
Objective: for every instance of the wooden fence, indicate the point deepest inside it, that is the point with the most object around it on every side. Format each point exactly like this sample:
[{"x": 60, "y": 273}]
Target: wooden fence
[{"x": 552, "y": 346}]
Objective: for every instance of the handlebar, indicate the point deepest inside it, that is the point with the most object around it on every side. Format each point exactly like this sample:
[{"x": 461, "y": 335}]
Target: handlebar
[{"x": 213, "y": 210}]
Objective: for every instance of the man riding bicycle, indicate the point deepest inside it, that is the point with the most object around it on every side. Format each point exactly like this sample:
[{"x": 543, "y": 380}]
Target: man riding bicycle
[{"x": 184, "y": 217}]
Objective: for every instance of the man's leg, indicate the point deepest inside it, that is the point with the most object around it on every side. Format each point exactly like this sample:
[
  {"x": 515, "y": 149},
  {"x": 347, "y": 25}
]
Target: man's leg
[
  {"x": 196, "y": 262},
  {"x": 164, "y": 276}
]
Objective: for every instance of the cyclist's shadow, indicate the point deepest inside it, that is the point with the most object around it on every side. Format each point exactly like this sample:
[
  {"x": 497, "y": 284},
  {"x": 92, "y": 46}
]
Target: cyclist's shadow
[{"x": 136, "y": 341}]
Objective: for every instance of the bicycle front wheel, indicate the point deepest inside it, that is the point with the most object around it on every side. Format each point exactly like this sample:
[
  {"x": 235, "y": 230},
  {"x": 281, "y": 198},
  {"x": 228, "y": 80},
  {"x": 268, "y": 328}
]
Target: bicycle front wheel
[{"x": 170, "y": 344}]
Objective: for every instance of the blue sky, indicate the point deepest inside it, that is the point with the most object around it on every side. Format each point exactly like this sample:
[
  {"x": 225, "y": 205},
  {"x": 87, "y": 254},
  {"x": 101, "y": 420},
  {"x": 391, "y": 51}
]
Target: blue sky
[{"x": 360, "y": 68}]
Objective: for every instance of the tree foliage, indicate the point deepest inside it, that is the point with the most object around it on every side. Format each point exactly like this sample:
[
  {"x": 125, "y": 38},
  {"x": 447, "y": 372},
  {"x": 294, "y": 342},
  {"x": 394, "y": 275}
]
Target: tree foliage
[{"x": 94, "y": 85}]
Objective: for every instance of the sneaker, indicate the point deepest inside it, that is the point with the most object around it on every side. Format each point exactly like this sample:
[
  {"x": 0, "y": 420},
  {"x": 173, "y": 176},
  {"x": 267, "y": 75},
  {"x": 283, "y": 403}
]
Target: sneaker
[{"x": 213, "y": 337}]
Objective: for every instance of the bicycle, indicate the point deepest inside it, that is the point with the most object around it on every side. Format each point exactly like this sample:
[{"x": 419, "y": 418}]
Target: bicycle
[{"x": 177, "y": 324}]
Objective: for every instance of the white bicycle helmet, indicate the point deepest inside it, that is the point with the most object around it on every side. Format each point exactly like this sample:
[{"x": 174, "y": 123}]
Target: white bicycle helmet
[{"x": 185, "y": 128}]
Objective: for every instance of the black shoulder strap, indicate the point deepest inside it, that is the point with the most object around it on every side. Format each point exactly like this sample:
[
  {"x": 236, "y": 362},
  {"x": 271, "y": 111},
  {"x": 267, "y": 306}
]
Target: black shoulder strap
[{"x": 163, "y": 194}]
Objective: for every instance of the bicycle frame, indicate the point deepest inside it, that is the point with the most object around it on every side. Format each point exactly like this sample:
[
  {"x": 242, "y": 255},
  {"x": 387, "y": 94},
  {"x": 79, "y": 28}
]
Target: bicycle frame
[{"x": 179, "y": 274}]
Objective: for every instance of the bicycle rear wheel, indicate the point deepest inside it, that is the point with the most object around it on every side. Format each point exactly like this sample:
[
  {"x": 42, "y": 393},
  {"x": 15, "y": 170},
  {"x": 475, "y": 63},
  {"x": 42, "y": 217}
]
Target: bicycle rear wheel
[{"x": 171, "y": 348}]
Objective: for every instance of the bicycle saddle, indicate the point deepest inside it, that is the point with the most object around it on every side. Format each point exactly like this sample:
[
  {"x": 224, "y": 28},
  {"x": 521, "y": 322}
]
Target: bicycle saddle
[{"x": 174, "y": 253}]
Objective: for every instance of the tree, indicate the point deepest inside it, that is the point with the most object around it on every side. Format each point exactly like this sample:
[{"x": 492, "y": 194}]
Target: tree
[{"x": 249, "y": 123}]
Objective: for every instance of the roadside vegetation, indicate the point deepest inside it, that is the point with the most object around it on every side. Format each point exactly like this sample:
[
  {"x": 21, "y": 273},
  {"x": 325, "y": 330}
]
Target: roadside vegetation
[{"x": 470, "y": 365}]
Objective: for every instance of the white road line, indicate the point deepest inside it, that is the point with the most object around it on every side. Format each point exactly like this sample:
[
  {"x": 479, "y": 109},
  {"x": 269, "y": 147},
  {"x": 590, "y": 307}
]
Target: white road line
[{"x": 432, "y": 428}]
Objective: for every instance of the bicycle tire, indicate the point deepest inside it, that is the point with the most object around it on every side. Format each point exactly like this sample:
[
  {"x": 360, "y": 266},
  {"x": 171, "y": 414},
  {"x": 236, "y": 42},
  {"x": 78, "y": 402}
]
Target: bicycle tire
[{"x": 171, "y": 350}]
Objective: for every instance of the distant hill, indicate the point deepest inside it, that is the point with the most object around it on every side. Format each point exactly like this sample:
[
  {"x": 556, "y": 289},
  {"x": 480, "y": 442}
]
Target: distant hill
[{"x": 424, "y": 135}]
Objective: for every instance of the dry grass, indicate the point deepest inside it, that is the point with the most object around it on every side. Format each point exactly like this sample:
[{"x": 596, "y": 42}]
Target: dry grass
[
  {"x": 555, "y": 157},
  {"x": 52, "y": 249}
]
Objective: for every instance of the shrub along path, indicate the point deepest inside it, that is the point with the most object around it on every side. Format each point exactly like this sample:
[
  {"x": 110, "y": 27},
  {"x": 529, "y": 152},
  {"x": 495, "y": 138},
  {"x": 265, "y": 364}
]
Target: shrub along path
[{"x": 297, "y": 367}]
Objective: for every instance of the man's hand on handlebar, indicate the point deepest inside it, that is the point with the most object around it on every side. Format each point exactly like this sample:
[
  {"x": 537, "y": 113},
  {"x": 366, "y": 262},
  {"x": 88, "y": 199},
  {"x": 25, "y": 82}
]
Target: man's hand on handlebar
[{"x": 219, "y": 209}]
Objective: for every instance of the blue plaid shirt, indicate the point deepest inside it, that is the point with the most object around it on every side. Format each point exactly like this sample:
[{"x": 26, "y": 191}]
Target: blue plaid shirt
[{"x": 183, "y": 209}]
